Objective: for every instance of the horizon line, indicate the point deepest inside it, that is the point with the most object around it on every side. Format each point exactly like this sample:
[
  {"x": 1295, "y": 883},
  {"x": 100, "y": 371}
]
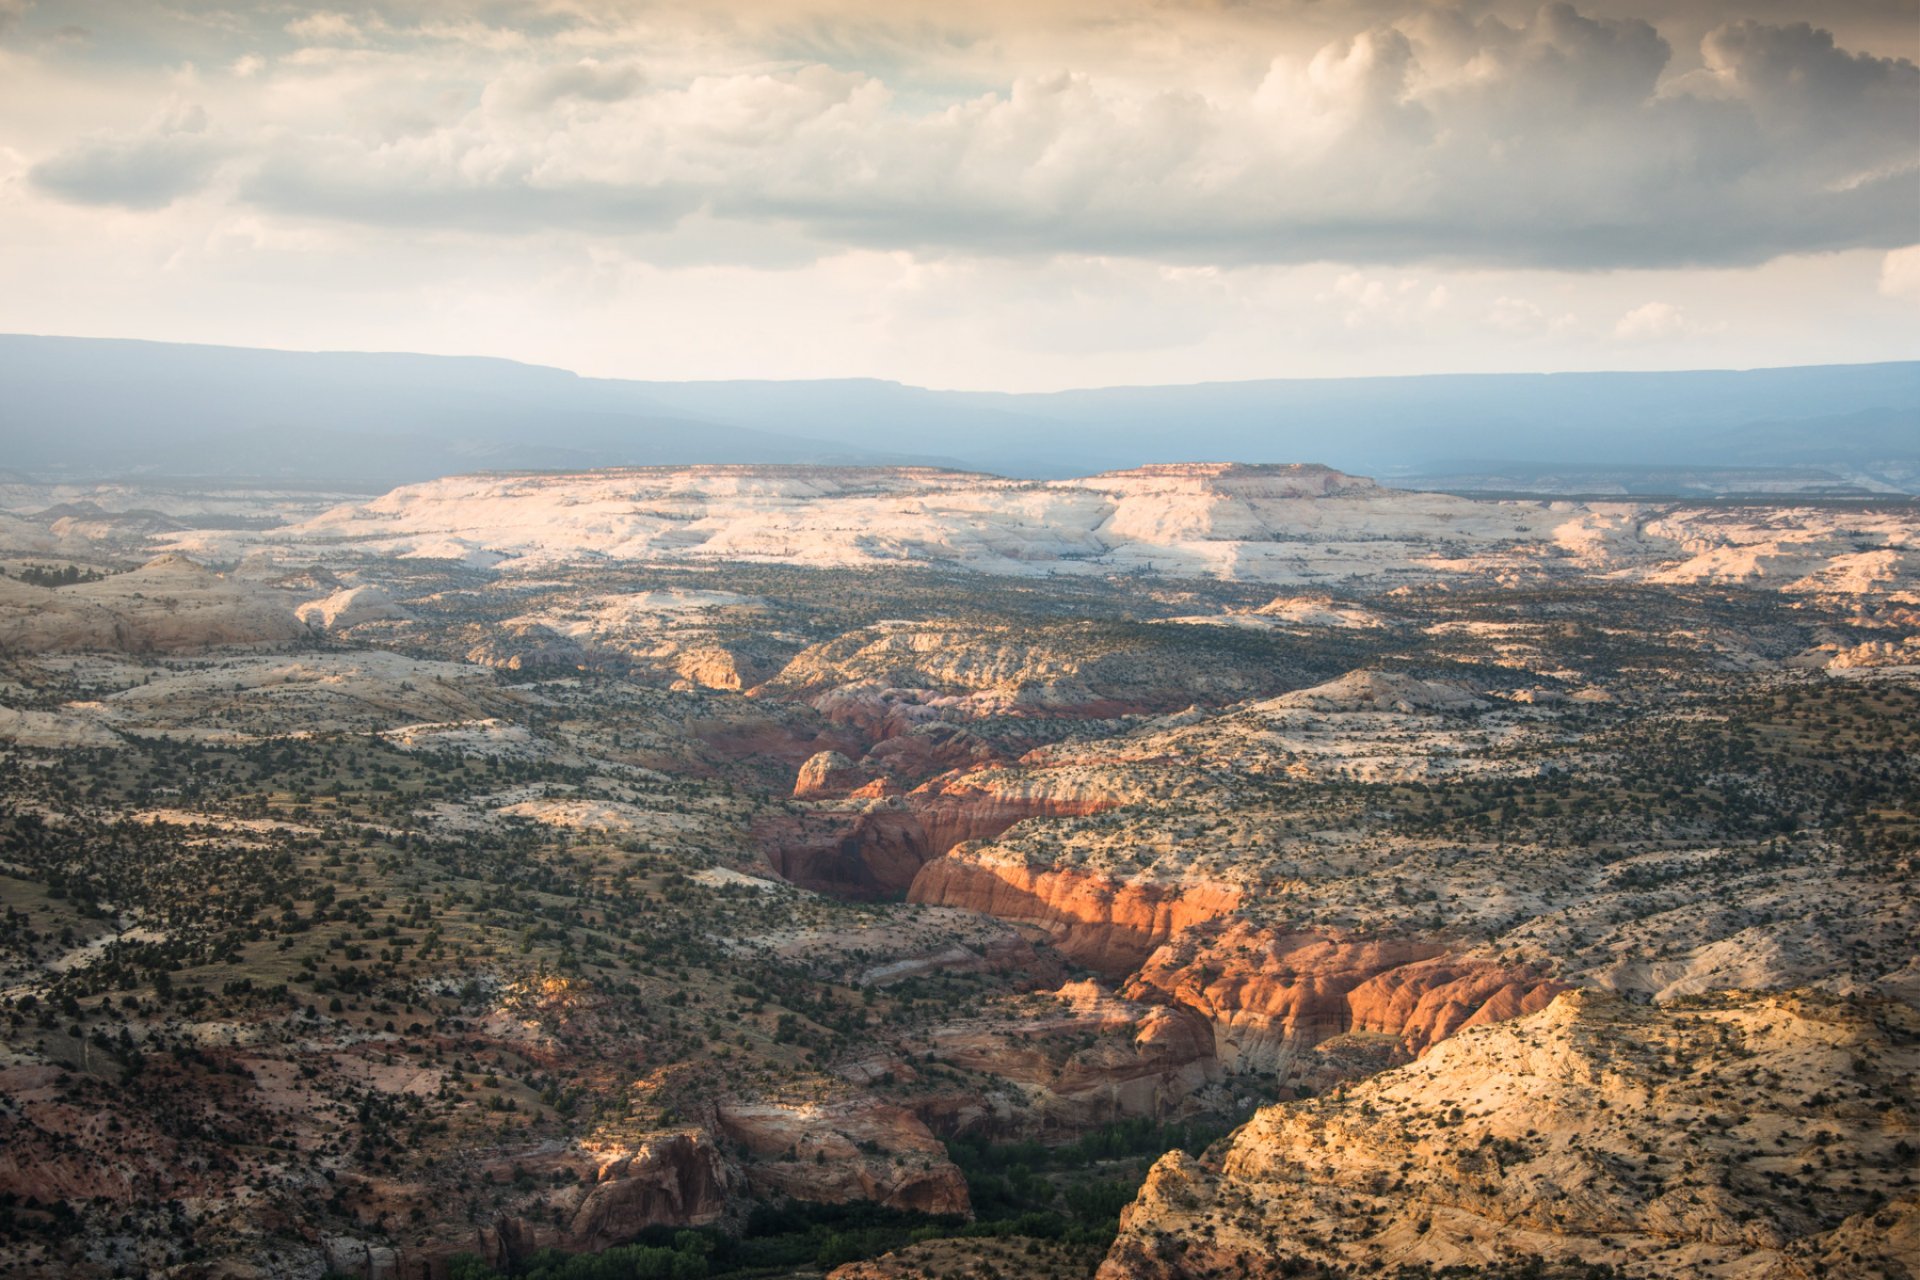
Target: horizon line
[{"x": 963, "y": 391}]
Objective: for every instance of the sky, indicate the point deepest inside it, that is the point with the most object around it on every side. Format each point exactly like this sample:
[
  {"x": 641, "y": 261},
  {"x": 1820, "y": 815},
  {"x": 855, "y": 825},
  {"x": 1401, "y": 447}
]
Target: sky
[{"x": 1004, "y": 194}]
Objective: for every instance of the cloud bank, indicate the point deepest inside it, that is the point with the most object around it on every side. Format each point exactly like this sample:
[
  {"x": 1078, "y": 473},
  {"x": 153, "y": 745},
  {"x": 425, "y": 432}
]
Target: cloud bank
[
  {"x": 1003, "y": 194},
  {"x": 1555, "y": 139}
]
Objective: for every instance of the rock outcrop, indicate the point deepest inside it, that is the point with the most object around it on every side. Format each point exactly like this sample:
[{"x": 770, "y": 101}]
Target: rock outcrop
[
  {"x": 838, "y": 1152},
  {"x": 528, "y": 648},
  {"x": 1110, "y": 925},
  {"x": 827, "y": 773},
  {"x": 349, "y": 607},
  {"x": 1271, "y": 995},
  {"x": 877, "y": 847},
  {"x": 1381, "y": 691},
  {"x": 1284, "y": 525},
  {"x": 167, "y": 605},
  {"x": 674, "y": 1181},
  {"x": 1079, "y": 1057},
  {"x": 1707, "y": 1138}
]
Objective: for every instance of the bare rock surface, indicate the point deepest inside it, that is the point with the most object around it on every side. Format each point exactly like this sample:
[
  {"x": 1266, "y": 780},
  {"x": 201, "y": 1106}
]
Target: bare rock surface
[
  {"x": 349, "y": 607},
  {"x": 1297, "y": 524},
  {"x": 1656, "y": 1139},
  {"x": 168, "y": 604},
  {"x": 835, "y": 1152}
]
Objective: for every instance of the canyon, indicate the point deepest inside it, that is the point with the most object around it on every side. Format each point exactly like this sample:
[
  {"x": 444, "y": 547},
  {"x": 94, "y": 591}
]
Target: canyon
[{"x": 514, "y": 864}]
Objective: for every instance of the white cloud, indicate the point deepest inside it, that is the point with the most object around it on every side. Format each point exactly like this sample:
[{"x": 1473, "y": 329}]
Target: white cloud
[
  {"x": 1654, "y": 321},
  {"x": 1000, "y": 193},
  {"x": 174, "y": 155},
  {"x": 1424, "y": 137},
  {"x": 1900, "y": 273},
  {"x": 1516, "y": 315}
]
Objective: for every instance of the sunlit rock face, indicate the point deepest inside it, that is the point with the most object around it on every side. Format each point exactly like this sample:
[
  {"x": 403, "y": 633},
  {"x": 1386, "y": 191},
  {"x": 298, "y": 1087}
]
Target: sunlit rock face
[
  {"x": 1272, "y": 995},
  {"x": 1594, "y": 1130},
  {"x": 1295, "y": 524},
  {"x": 1106, "y": 924}
]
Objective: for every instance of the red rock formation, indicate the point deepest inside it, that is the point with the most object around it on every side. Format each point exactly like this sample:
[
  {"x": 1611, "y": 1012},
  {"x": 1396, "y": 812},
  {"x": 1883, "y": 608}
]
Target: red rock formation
[
  {"x": 987, "y": 803},
  {"x": 933, "y": 749},
  {"x": 677, "y": 1181},
  {"x": 1425, "y": 1003},
  {"x": 1107, "y": 924},
  {"x": 827, "y": 773},
  {"x": 846, "y": 853},
  {"x": 752, "y": 733},
  {"x": 1271, "y": 994}
]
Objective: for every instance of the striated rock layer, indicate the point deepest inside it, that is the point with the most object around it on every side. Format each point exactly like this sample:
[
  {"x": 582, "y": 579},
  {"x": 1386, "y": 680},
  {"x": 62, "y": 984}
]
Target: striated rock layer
[
  {"x": 1109, "y": 925},
  {"x": 1270, "y": 995}
]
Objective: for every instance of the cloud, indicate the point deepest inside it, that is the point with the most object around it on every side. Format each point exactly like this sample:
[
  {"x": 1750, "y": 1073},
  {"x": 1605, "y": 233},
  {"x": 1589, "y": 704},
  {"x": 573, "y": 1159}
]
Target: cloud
[
  {"x": 326, "y": 27},
  {"x": 587, "y": 80},
  {"x": 1900, "y": 273},
  {"x": 174, "y": 156},
  {"x": 1515, "y": 315},
  {"x": 1559, "y": 138},
  {"x": 1660, "y": 322}
]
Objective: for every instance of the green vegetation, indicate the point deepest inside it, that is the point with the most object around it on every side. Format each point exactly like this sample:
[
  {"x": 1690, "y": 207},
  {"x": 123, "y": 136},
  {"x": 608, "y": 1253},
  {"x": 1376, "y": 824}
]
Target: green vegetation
[{"x": 45, "y": 575}]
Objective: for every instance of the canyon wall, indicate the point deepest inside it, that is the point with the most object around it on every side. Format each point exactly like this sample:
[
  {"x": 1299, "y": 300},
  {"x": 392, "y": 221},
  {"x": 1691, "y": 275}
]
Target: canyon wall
[
  {"x": 1272, "y": 994},
  {"x": 1109, "y": 925}
]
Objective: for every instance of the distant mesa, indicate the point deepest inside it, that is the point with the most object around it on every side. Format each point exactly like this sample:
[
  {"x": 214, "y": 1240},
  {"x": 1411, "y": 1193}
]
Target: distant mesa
[{"x": 1312, "y": 530}]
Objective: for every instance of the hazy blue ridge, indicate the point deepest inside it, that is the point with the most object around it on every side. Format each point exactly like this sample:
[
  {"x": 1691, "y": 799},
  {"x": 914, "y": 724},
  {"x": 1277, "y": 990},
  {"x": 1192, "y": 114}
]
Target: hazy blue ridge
[{"x": 72, "y": 406}]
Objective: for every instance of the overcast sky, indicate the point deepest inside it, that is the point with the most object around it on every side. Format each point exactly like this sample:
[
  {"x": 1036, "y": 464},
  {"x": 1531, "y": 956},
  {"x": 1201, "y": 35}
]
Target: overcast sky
[{"x": 1008, "y": 194}]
